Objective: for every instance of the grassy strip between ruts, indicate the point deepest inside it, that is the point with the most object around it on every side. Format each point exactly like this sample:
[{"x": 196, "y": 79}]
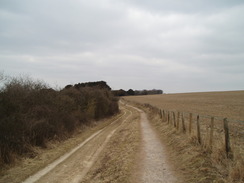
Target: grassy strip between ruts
[
  {"x": 25, "y": 167},
  {"x": 192, "y": 162},
  {"x": 117, "y": 161}
]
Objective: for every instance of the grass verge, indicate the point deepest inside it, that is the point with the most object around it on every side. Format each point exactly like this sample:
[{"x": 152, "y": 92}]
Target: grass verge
[{"x": 116, "y": 163}]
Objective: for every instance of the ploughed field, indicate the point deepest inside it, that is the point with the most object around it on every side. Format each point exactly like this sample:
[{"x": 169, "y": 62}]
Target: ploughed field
[
  {"x": 222, "y": 104},
  {"x": 219, "y": 105}
]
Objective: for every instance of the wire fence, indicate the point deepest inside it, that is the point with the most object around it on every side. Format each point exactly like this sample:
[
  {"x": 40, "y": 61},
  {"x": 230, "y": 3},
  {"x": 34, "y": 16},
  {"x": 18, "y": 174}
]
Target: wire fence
[{"x": 214, "y": 133}]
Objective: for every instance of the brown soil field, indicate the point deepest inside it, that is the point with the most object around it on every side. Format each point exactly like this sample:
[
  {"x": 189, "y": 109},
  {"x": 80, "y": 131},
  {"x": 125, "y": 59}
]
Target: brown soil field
[{"x": 222, "y": 104}]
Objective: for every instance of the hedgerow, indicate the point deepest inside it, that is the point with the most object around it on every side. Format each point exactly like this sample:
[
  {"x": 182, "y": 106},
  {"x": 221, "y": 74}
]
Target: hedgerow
[{"x": 31, "y": 114}]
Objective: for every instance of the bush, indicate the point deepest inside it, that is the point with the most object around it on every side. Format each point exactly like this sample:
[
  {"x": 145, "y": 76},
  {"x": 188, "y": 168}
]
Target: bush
[{"x": 32, "y": 114}]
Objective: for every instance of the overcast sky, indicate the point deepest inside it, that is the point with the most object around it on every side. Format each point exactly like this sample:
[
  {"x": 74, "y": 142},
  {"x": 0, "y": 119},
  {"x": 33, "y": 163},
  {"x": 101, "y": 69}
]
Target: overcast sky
[{"x": 173, "y": 45}]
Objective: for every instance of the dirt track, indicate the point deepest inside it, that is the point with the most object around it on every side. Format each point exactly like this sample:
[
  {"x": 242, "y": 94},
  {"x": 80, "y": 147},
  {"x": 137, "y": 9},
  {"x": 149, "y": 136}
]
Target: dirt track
[
  {"x": 153, "y": 166},
  {"x": 74, "y": 166}
]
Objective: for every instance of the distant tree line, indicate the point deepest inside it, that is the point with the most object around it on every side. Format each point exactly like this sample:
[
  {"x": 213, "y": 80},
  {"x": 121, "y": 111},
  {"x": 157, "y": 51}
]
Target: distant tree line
[
  {"x": 97, "y": 84},
  {"x": 31, "y": 113},
  {"x": 131, "y": 92}
]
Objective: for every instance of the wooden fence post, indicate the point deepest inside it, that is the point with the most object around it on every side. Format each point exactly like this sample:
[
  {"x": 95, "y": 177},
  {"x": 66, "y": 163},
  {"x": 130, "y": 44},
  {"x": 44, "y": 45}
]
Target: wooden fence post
[
  {"x": 183, "y": 123},
  {"x": 178, "y": 121},
  {"x": 163, "y": 116},
  {"x": 174, "y": 119},
  {"x": 168, "y": 117},
  {"x": 211, "y": 133},
  {"x": 190, "y": 123},
  {"x": 227, "y": 140},
  {"x": 198, "y": 131},
  {"x": 171, "y": 118},
  {"x": 160, "y": 114}
]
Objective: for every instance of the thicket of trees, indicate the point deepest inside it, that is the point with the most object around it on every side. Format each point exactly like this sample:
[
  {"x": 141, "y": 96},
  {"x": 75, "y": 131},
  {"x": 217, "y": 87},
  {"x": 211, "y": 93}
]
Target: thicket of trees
[
  {"x": 31, "y": 113},
  {"x": 122, "y": 92},
  {"x": 98, "y": 84}
]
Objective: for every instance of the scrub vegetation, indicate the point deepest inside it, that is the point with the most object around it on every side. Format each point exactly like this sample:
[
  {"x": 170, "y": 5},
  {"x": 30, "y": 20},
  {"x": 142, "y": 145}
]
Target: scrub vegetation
[{"x": 32, "y": 114}]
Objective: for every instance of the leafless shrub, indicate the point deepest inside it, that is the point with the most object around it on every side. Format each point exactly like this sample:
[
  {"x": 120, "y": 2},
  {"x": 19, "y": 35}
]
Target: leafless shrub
[{"x": 31, "y": 114}]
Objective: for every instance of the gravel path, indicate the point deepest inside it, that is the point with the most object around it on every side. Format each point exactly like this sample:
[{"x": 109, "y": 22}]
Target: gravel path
[{"x": 154, "y": 167}]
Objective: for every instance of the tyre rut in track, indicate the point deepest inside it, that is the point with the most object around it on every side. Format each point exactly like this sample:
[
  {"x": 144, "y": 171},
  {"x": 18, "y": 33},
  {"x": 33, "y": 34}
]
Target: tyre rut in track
[{"x": 73, "y": 166}]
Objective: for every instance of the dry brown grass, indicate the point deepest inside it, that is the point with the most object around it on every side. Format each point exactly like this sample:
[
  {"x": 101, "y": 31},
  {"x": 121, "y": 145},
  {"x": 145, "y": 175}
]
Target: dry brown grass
[{"x": 214, "y": 166}]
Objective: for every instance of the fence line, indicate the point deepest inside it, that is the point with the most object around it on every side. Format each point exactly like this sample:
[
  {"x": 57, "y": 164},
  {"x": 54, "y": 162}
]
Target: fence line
[
  {"x": 230, "y": 132},
  {"x": 171, "y": 118},
  {"x": 216, "y": 117}
]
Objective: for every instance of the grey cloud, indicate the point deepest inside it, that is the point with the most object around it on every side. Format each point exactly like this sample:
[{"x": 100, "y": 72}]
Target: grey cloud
[
  {"x": 60, "y": 26},
  {"x": 130, "y": 44},
  {"x": 187, "y": 6}
]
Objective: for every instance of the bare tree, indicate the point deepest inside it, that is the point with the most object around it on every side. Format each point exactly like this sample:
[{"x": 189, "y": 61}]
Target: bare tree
[
  {"x": 1, "y": 75},
  {"x": 3, "y": 79}
]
